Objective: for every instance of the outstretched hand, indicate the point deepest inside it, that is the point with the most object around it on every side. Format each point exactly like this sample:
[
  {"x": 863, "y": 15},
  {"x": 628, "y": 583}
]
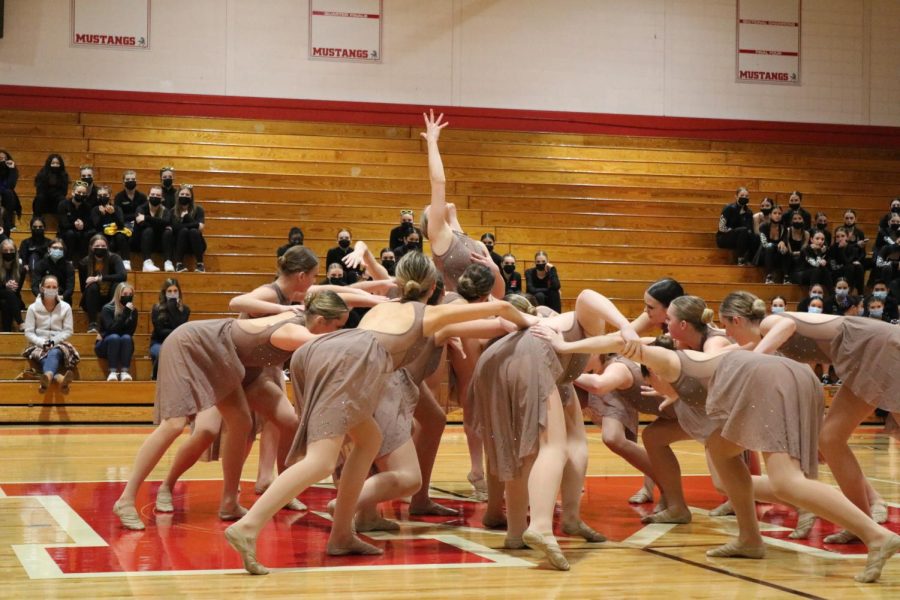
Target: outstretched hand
[
  {"x": 548, "y": 333},
  {"x": 433, "y": 126}
]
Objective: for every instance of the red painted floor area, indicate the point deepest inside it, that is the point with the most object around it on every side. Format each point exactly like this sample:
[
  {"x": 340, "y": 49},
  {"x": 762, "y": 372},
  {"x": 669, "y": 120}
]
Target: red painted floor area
[{"x": 191, "y": 538}]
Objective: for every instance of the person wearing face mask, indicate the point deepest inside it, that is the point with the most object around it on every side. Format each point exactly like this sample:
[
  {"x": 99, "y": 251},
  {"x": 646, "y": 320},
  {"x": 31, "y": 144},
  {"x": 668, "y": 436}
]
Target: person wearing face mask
[
  {"x": 12, "y": 275},
  {"x": 489, "y": 241},
  {"x": 48, "y": 326},
  {"x": 107, "y": 218},
  {"x": 893, "y": 209},
  {"x": 816, "y": 306},
  {"x": 880, "y": 291},
  {"x": 845, "y": 259},
  {"x": 796, "y": 240},
  {"x": 74, "y": 223},
  {"x": 777, "y": 305},
  {"x": 841, "y": 301},
  {"x": 154, "y": 229},
  {"x": 736, "y": 227},
  {"x": 87, "y": 177},
  {"x": 888, "y": 257},
  {"x": 50, "y": 185},
  {"x": 334, "y": 275},
  {"x": 115, "y": 338},
  {"x": 813, "y": 266},
  {"x": 295, "y": 238},
  {"x": 188, "y": 222},
  {"x": 10, "y": 205},
  {"x": 169, "y": 190},
  {"x": 34, "y": 248},
  {"x": 821, "y": 224},
  {"x": 542, "y": 281},
  {"x": 794, "y": 201},
  {"x": 388, "y": 260},
  {"x": 406, "y": 226},
  {"x": 411, "y": 243},
  {"x": 129, "y": 198},
  {"x": 512, "y": 277},
  {"x": 336, "y": 256},
  {"x": 772, "y": 249},
  {"x": 855, "y": 235},
  {"x": 761, "y": 220},
  {"x": 875, "y": 309},
  {"x": 816, "y": 292},
  {"x": 167, "y": 314},
  {"x": 99, "y": 273},
  {"x": 58, "y": 266}
]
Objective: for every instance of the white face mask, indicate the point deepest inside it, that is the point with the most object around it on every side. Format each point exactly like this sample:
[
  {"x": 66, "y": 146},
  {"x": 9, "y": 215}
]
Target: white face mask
[
  {"x": 50, "y": 294},
  {"x": 171, "y": 295}
]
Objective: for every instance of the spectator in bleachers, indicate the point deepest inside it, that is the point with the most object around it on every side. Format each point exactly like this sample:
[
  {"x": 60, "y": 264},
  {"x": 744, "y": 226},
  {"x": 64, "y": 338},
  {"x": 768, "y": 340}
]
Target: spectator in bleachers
[
  {"x": 115, "y": 338},
  {"x": 51, "y": 184},
  {"x": 796, "y": 240},
  {"x": 48, "y": 327},
  {"x": 334, "y": 275},
  {"x": 411, "y": 243},
  {"x": 337, "y": 254},
  {"x": 34, "y": 248},
  {"x": 512, "y": 277},
  {"x": 489, "y": 240},
  {"x": 888, "y": 257},
  {"x": 813, "y": 267},
  {"x": 893, "y": 210},
  {"x": 542, "y": 282},
  {"x": 855, "y": 235},
  {"x": 169, "y": 191},
  {"x": 74, "y": 223},
  {"x": 154, "y": 228},
  {"x": 99, "y": 273},
  {"x": 736, "y": 227},
  {"x": 816, "y": 292},
  {"x": 388, "y": 260},
  {"x": 10, "y": 205},
  {"x": 794, "y": 202},
  {"x": 295, "y": 238},
  {"x": 406, "y": 226},
  {"x": 846, "y": 260},
  {"x": 166, "y": 315},
  {"x": 12, "y": 276},
  {"x": 129, "y": 198},
  {"x": 815, "y": 306},
  {"x": 875, "y": 309},
  {"x": 881, "y": 291},
  {"x": 841, "y": 300},
  {"x": 87, "y": 177},
  {"x": 57, "y": 265},
  {"x": 773, "y": 251},
  {"x": 188, "y": 222},
  {"x": 821, "y": 224},
  {"x": 777, "y": 305},
  {"x": 108, "y": 220}
]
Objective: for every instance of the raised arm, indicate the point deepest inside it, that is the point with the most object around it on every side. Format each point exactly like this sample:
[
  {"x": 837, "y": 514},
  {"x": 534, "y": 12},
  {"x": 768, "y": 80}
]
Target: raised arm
[
  {"x": 437, "y": 317},
  {"x": 362, "y": 255},
  {"x": 260, "y": 302},
  {"x": 776, "y": 331},
  {"x": 615, "y": 376},
  {"x": 439, "y": 231},
  {"x": 480, "y": 329}
]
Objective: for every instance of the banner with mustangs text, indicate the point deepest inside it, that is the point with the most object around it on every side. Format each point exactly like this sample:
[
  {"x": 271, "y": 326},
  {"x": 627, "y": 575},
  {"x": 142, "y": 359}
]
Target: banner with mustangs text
[
  {"x": 121, "y": 24},
  {"x": 768, "y": 41},
  {"x": 347, "y": 30}
]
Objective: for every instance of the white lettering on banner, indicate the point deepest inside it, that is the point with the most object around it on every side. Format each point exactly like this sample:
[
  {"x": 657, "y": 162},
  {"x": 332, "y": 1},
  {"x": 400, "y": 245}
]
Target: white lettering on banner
[
  {"x": 347, "y": 30},
  {"x": 111, "y": 23},
  {"x": 768, "y": 41}
]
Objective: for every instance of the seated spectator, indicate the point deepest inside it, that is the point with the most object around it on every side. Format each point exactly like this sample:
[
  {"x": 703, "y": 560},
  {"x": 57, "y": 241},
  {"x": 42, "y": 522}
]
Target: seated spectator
[
  {"x": 169, "y": 191},
  {"x": 75, "y": 226},
  {"x": 761, "y": 219},
  {"x": 388, "y": 260},
  {"x": 813, "y": 267},
  {"x": 167, "y": 314},
  {"x": 10, "y": 205},
  {"x": 115, "y": 338},
  {"x": 154, "y": 228},
  {"x": 880, "y": 290},
  {"x": 108, "y": 220},
  {"x": 407, "y": 226},
  {"x": 821, "y": 224},
  {"x": 188, "y": 222},
  {"x": 845, "y": 260},
  {"x": 736, "y": 227},
  {"x": 411, "y": 243},
  {"x": 59, "y": 267},
  {"x": 337, "y": 254},
  {"x": 512, "y": 277},
  {"x": 888, "y": 257},
  {"x": 796, "y": 239},
  {"x": 99, "y": 273},
  {"x": 794, "y": 201},
  {"x": 34, "y": 248},
  {"x": 894, "y": 209},
  {"x": 855, "y": 235},
  {"x": 48, "y": 326},
  {"x": 841, "y": 301},
  {"x": 856, "y": 308},
  {"x": 12, "y": 275},
  {"x": 295, "y": 238},
  {"x": 816, "y": 292},
  {"x": 777, "y": 305},
  {"x": 815, "y": 306},
  {"x": 773, "y": 251},
  {"x": 542, "y": 282},
  {"x": 87, "y": 177},
  {"x": 129, "y": 198},
  {"x": 875, "y": 309},
  {"x": 51, "y": 184},
  {"x": 334, "y": 275},
  {"x": 489, "y": 240}
]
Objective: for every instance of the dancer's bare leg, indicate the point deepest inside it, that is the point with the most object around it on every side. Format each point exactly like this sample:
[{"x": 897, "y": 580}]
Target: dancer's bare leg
[
  {"x": 269, "y": 446},
  {"x": 430, "y": 423},
  {"x": 464, "y": 369},
  {"x": 615, "y": 438},
  {"x": 574, "y": 473},
  {"x": 658, "y": 438},
  {"x": 207, "y": 425},
  {"x": 280, "y": 414},
  {"x": 516, "y": 491},
  {"x": 398, "y": 476},
  {"x": 238, "y": 421},
  {"x": 846, "y": 413}
]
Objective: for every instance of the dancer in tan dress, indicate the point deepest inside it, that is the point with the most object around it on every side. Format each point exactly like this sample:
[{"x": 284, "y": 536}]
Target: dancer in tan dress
[
  {"x": 329, "y": 374},
  {"x": 204, "y": 366}
]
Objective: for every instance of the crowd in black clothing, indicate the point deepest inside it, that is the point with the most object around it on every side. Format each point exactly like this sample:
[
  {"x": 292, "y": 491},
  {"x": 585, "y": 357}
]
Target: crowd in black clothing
[{"x": 795, "y": 247}]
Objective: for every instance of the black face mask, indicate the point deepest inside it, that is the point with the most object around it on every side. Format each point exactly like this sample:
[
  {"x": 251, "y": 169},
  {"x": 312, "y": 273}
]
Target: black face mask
[
  {"x": 184, "y": 200},
  {"x": 125, "y": 299},
  {"x": 794, "y": 205},
  {"x": 336, "y": 280},
  {"x": 79, "y": 198},
  {"x": 797, "y": 225},
  {"x": 101, "y": 252},
  {"x": 88, "y": 180},
  {"x": 412, "y": 246},
  {"x": 37, "y": 234},
  {"x": 55, "y": 169},
  {"x": 344, "y": 243},
  {"x": 388, "y": 264},
  {"x": 104, "y": 200},
  {"x": 541, "y": 267},
  {"x": 509, "y": 269},
  {"x": 822, "y": 226},
  {"x": 130, "y": 185},
  {"x": 766, "y": 211},
  {"x": 490, "y": 247},
  {"x": 895, "y": 209},
  {"x": 296, "y": 242},
  {"x": 895, "y": 227},
  {"x": 167, "y": 183},
  {"x": 743, "y": 201},
  {"x": 406, "y": 227},
  {"x": 155, "y": 200},
  {"x": 9, "y": 256}
]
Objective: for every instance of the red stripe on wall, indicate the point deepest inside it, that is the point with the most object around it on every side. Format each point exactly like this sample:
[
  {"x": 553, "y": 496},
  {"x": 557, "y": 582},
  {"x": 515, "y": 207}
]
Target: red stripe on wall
[{"x": 410, "y": 115}]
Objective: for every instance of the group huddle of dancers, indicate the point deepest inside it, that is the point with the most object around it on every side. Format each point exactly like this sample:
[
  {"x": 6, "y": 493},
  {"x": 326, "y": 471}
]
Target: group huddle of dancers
[{"x": 366, "y": 412}]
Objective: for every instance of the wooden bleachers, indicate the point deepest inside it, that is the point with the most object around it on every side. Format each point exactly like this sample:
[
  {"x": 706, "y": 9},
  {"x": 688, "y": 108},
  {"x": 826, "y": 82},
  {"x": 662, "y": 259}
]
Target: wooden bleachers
[{"x": 614, "y": 213}]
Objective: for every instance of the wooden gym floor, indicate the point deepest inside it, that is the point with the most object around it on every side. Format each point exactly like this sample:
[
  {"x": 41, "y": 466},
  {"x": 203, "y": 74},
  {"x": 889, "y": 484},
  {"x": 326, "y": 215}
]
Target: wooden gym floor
[{"x": 58, "y": 538}]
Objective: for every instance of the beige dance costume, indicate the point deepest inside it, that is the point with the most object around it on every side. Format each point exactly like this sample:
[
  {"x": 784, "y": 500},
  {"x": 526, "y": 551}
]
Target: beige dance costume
[
  {"x": 626, "y": 405},
  {"x": 454, "y": 261}
]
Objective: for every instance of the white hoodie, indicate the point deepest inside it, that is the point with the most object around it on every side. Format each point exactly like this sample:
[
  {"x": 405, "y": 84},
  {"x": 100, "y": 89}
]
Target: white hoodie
[{"x": 42, "y": 326}]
